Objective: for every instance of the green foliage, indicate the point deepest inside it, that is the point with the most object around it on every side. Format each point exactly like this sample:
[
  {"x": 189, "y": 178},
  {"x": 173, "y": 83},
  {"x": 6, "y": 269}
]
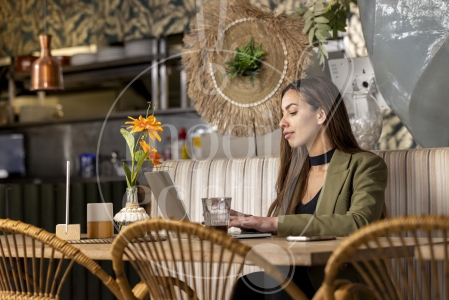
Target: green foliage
[
  {"x": 129, "y": 139},
  {"x": 137, "y": 157},
  {"x": 128, "y": 175},
  {"x": 140, "y": 156},
  {"x": 320, "y": 18},
  {"x": 247, "y": 61}
]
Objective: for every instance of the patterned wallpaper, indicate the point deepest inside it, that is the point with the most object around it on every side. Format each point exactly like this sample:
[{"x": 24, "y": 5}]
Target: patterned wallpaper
[
  {"x": 394, "y": 134},
  {"x": 84, "y": 22}
]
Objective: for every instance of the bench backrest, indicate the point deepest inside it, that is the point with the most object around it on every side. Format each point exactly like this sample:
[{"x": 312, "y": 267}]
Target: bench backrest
[{"x": 418, "y": 182}]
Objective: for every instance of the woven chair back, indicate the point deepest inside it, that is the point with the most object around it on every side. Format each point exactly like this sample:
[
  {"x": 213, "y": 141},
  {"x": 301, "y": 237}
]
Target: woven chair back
[
  {"x": 185, "y": 260},
  {"x": 417, "y": 269},
  {"x": 34, "y": 263}
]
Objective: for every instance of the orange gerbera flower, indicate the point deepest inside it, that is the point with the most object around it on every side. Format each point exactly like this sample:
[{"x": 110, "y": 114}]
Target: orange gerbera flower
[
  {"x": 149, "y": 124},
  {"x": 145, "y": 146},
  {"x": 154, "y": 157},
  {"x": 152, "y": 153}
]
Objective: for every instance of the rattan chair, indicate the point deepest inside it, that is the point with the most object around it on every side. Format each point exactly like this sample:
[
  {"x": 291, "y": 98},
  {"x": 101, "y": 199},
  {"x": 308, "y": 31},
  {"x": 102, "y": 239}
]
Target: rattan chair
[
  {"x": 202, "y": 264},
  {"x": 420, "y": 271},
  {"x": 39, "y": 269}
]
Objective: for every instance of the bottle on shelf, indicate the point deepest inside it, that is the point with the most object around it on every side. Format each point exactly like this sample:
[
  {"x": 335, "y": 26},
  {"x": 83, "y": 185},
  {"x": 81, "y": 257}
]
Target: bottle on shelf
[
  {"x": 174, "y": 148},
  {"x": 167, "y": 149},
  {"x": 182, "y": 146},
  {"x": 196, "y": 144}
]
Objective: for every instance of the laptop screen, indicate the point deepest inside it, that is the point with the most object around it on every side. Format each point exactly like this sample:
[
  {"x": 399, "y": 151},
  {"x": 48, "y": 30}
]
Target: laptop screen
[{"x": 166, "y": 194}]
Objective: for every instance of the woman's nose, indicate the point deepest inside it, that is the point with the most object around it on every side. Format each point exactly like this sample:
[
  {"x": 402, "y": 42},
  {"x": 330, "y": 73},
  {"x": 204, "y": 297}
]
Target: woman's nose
[{"x": 282, "y": 123}]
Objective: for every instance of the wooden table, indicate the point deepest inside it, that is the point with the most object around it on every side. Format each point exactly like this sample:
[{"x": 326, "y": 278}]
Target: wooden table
[
  {"x": 438, "y": 251},
  {"x": 276, "y": 250}
]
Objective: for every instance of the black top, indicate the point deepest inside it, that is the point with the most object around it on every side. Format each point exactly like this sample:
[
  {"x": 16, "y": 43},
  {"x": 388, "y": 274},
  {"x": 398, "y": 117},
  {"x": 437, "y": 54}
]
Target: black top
[
  {"x": 321, "y": 159},
  {"x": 310, "y": 207}
]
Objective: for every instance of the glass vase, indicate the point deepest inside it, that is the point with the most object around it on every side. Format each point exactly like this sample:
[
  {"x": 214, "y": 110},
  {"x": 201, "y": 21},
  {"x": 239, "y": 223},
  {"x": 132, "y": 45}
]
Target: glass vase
[
  {"x": 365, "y": 118},
  {"x": 132, "y": 212}
]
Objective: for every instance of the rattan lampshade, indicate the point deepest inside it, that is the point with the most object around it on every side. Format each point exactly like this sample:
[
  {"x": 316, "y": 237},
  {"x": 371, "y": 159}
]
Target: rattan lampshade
[{"x": 235, "y": 106}]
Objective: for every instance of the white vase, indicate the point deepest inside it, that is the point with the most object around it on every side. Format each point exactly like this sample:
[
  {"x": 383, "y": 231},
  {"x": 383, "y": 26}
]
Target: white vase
[{"x": 132, "y": 212}]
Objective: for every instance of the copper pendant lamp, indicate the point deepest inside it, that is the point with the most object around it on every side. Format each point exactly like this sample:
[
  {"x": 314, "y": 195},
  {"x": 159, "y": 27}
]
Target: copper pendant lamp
[{"x": 46, "y": 71}]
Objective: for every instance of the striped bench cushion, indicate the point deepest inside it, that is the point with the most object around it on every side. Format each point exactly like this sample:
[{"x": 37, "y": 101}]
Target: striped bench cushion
[
  {"x": 418, "y": 182},
  {"x": 250, "y": 182}
]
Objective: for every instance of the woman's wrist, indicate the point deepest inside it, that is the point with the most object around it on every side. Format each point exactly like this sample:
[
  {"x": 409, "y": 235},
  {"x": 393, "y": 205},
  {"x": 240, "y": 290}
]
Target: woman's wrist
[
  {"x": 262, "y": 224},
  {"x": 267, "y": 224},
  {"x": 274, "y": 224}
]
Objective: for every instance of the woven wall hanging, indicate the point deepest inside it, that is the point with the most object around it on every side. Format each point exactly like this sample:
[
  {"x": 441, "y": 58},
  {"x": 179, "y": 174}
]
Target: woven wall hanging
[{"x": 236, "y": 106}]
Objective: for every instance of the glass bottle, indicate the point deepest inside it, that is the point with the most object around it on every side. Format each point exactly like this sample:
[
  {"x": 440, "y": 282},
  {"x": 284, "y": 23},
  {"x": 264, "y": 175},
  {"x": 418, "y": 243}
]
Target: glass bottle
[
  {"x": 167, "y": 149},
  {"x": 365, "y": 118},
  {"x": 182, "y": 147}
]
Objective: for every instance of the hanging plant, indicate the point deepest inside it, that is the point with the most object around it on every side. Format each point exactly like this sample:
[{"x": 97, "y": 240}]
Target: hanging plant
[
  {"x": 320, "y": 18},
  {"x": 247, "y": 61}
]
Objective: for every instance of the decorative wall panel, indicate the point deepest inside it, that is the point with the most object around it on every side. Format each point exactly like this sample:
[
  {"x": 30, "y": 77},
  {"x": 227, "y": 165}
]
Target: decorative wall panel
[{"x": 84, "y": 22}]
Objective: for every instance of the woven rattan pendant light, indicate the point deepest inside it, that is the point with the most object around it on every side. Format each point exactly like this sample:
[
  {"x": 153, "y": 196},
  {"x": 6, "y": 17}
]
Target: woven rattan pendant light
[{"x": 46, "y": 71}]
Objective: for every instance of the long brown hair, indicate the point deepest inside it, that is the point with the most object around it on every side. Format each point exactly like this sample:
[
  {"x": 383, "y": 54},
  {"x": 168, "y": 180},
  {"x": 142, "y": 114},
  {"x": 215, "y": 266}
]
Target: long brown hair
[{"x": 319, "y": 92}]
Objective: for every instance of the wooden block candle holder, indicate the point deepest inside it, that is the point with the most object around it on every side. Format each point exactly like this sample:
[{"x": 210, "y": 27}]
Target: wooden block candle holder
[
  {"x": 73, "y": 232},
  {"x": 68, "y": 232}
]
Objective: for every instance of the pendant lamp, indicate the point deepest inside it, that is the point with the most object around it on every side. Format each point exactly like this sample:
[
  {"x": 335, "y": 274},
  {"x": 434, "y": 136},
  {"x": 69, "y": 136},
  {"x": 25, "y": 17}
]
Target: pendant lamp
[{"x": 46, "y": 71}]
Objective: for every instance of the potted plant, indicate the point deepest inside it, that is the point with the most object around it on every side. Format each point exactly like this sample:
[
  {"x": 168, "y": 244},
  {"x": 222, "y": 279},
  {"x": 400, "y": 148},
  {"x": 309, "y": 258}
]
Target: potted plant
[
  {"x": 247, "y": 61},
  {"x": 141, "y": 151}
]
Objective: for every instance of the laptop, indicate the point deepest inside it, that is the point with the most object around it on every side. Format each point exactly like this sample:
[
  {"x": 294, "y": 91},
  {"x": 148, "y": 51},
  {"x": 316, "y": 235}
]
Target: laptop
[{"x": 172, "y": 206}]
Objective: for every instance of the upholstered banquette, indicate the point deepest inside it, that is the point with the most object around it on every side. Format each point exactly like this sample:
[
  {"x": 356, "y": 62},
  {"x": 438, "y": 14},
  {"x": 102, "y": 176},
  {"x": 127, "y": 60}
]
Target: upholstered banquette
[{"x": 418, "y": 182}]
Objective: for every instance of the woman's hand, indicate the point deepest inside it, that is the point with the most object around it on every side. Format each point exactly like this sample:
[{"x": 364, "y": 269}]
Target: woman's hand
[{"x": 262, "y": 224}]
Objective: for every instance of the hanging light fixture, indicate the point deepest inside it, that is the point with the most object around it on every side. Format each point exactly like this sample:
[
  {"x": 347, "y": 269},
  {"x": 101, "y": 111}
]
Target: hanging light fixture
[{"x": 46, "y": 71}]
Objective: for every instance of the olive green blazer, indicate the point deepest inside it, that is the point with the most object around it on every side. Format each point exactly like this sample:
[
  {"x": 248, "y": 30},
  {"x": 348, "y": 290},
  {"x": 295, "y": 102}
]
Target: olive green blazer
[{"x": 352, "y": 196}]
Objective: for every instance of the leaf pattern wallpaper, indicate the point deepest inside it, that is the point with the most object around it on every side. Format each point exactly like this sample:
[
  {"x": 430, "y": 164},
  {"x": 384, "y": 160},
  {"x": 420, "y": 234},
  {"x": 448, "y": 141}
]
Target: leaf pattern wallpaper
[
  {"x": 84, "y": 22},
  {"x": 100, "y": 22}
]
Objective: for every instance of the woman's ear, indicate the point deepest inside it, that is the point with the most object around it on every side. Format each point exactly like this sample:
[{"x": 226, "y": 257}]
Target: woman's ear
[{"x": 321, "y": 116}]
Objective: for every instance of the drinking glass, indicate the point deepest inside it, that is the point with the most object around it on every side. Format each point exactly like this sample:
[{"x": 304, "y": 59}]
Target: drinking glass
[{"x": 216, "y": 212}]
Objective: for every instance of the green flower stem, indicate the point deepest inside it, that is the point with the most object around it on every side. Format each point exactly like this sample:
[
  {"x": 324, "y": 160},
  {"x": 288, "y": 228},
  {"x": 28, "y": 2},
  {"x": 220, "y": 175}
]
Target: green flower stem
[
  {"x": 148, "y": 109},
  {"x": 134, "y": 173}
]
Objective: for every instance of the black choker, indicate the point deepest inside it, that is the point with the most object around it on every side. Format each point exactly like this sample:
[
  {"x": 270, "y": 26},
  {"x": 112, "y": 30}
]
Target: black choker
[{"x": 321, "y": 159}]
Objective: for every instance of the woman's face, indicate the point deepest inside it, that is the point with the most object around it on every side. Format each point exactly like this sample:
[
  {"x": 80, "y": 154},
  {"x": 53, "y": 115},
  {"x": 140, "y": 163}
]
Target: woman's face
[{"x": 300, "y": 122}]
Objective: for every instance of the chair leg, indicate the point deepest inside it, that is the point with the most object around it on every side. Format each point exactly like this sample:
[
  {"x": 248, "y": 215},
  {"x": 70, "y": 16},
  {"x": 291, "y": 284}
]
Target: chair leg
[
  {"x": 346, "y": 290},
  {"x": 319, "y": 295},
  {"x": 140, "y": 290}
]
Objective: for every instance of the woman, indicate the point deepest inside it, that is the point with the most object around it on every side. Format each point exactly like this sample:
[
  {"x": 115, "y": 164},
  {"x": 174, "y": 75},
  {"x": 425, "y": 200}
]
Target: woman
[{"x": 326, "y": 184}]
